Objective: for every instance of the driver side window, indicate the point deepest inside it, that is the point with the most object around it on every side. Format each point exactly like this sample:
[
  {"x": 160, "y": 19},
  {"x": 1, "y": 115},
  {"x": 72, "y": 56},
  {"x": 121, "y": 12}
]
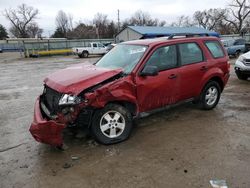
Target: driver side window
[{"x": 164, "y": 58}]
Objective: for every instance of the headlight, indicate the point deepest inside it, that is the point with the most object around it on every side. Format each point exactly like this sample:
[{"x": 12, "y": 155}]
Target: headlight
[{"x": 69, "y": 100}]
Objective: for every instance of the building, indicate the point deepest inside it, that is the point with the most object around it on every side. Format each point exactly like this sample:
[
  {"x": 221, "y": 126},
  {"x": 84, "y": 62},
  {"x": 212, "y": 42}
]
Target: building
[{"x": 143, "y": 32}]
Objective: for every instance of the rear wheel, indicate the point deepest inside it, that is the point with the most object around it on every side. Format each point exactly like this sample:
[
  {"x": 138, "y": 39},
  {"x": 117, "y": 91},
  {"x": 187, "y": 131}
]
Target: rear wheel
[
  {"x": 237, "y": 53},
  {"x": 112, "y": 124},
  {"x": 210, "y": 95},
  {"x": 85, "y": 54}
]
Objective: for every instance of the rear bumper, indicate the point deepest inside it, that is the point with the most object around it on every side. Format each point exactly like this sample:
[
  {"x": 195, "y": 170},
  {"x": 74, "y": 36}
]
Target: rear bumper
[{"x": 46, "y": 131}]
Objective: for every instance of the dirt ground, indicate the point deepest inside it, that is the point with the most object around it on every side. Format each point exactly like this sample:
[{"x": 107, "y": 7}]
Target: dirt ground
[{"x": 182, "y": 147}]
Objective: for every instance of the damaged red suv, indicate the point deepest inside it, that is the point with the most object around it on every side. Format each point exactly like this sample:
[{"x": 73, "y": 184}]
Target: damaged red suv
[{"x": 133, "y": 80}]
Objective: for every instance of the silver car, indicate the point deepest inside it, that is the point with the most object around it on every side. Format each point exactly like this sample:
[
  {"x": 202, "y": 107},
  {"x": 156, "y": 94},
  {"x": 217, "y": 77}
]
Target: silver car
[{"x": 242, "y": 66}]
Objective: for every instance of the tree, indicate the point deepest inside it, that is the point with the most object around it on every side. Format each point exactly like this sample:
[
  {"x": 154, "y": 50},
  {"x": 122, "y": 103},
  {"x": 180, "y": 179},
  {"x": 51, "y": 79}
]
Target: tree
[
  {"x": 239, "y": 11},
  {"x": 3, "y": 33},
  {"x": 101, "y": 22},
  {"x": 141, "y": 18},
  {"x": 183, "y": 21},
  {"x": 33, "y": 30},
  {"x": 64, "y": 23},
  {"x": 209, "y": 19},
  {"x": 21, "y": 19}
]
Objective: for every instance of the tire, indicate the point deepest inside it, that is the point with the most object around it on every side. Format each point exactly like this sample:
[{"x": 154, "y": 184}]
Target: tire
[
  {"x": 241, "y": 76},
  {"x": 237, "y": 53},
  {"x": 85, "y": 54},
  {"x": 210, "y": 95},
  {"x": 111, "y": 124}
]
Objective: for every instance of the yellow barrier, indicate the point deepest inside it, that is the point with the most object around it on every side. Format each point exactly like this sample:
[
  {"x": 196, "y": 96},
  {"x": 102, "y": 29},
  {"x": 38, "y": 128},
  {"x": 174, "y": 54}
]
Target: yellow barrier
[{"x": 54, "y": 52}]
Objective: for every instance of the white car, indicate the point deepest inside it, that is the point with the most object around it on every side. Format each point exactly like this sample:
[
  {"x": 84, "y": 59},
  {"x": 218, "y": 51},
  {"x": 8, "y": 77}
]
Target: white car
[
  {"x": 242, "y": 66},
  {"x": 94, "y": 48}
]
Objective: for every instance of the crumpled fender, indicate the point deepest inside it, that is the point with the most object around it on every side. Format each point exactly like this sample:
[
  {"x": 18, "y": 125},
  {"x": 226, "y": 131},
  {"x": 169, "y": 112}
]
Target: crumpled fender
[{"x": 120, "y": 90}]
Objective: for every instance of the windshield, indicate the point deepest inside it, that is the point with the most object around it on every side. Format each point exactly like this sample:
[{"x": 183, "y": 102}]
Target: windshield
[{"x": 122, "y": 56}]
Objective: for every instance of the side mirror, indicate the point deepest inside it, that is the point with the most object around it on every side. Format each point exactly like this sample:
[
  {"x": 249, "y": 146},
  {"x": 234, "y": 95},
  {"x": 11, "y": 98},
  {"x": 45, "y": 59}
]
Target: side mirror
[{"x": 149, "y": 71}]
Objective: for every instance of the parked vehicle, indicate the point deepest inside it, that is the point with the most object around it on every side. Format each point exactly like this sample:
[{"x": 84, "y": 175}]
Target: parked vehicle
[
  {"x": 247, "y": 46},
  {"x": 136, "y": 79},
  {"x": 235, "y": 47},
  {"x": 110, "y": 47},
  {"x": 1, "y": 51},
  {"x": 242, "y": 66},
  {"x": 94, "y": 48}
]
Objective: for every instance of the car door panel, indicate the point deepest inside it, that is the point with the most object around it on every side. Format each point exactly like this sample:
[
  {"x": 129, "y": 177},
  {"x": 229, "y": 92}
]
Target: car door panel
[
  {"x": 160, "y": 90},
  {"x": 193, "y": 67}
]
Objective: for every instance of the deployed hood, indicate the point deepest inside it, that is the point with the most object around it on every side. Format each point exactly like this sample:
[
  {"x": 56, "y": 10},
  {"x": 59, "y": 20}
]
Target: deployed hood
[{"x": 77, "y": 78}]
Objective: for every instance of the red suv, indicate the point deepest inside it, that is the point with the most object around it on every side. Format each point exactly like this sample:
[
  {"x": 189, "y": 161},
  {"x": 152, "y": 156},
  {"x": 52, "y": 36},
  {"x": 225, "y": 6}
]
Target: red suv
[{"x": 133, "y": 80}]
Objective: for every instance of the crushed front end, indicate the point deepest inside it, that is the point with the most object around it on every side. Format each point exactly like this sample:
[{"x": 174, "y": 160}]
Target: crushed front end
[{"x": 53, "y": 112}]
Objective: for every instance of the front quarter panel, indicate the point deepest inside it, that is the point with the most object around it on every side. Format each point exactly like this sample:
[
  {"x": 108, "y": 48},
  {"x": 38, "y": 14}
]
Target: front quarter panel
[{"x": 120, "y": 90}]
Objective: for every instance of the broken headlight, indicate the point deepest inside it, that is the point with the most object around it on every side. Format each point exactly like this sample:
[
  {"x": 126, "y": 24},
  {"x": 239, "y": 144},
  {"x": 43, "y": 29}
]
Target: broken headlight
[{"x": 67, "y": 99}]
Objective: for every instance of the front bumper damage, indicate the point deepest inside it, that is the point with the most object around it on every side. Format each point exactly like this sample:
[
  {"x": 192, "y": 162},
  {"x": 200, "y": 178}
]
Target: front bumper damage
[{"x": 46, "y": 131}]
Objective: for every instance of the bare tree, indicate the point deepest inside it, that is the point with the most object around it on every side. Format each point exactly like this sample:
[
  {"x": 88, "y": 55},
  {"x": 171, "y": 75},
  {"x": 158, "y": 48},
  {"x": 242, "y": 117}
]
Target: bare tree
[
  {"x": 209, "y": 19},
  {"x": 239, "y": 11},
  {"x": 141, "y": 18},
  {"x": 64, "y": 22},
  {"x": 34, "y": 30},
  {"x": 101, "y": 22},
  {"x": 20, "y": 19},
  {"x": 183, "y": 21}
]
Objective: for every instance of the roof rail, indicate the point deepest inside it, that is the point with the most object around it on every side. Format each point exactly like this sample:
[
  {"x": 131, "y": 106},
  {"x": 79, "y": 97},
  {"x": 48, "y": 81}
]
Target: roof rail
[{"x": 187, "y": 35}]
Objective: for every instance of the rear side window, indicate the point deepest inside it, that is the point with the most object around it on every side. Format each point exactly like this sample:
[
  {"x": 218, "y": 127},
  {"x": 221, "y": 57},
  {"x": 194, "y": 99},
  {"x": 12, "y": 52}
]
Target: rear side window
[
  {"x": 164, "y": 58},
  {"x": 190, "y": 53},
  {"x": 215, "y": 49}
]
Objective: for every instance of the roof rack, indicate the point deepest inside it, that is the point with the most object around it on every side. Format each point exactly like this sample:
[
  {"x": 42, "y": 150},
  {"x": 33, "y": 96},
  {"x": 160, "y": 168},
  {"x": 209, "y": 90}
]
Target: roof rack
[{"x": 187, "y": 35}]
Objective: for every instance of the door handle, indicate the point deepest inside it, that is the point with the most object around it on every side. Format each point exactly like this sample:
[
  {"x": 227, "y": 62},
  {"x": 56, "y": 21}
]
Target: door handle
[
  {"x": 204, "y": 68},
  {"x": 172, "y": 76}
]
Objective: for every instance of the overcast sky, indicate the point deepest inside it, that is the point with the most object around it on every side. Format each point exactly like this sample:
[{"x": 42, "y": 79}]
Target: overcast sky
[{"x": 84, "y": 10}]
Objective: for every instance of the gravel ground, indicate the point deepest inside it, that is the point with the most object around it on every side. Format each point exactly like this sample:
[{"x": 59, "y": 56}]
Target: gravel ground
[{"x": 181, "y": 147}]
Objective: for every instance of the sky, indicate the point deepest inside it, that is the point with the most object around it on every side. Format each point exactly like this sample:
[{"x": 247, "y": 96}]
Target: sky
[{"x": 84, "y": 10}]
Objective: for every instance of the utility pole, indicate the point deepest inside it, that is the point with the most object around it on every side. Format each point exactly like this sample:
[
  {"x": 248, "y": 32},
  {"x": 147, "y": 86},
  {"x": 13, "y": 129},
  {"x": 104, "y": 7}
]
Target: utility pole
[{"x": 118, "y": 17}]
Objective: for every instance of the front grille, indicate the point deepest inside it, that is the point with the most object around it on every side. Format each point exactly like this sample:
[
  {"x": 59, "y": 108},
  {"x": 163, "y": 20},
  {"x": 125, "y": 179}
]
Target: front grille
[
  {"x": 247, "y": 62},
  {"x": 51, "y": 100}
]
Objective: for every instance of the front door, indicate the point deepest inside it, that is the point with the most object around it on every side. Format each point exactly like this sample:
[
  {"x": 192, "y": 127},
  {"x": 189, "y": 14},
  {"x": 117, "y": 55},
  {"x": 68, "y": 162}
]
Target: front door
[{"x": 158, "y": 91}]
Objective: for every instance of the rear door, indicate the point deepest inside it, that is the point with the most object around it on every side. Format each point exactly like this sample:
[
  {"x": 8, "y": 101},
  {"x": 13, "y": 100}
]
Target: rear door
[
  {"x": 193, "y": 67},
  {"x": 160, "y": 90}
]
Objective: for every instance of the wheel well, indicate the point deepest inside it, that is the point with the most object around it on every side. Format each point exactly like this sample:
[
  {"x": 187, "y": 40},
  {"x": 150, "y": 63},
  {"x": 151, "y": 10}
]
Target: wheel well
[
  {"x": 84, "y": 51},
  {"x": 219, "y": 81},
  {"x": 128, "y": 105}
]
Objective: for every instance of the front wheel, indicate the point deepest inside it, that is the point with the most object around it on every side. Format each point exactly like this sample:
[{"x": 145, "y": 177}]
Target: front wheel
[
  {"x": 210, "y": 95},
  {"x": 112, "y": 124}
]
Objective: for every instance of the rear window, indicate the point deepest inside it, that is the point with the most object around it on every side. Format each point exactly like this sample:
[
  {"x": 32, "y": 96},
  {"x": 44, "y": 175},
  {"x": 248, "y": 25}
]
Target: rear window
[{"x": 215, "y": 49}]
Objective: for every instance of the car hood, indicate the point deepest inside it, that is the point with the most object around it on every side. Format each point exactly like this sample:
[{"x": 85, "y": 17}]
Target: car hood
[
  {"x": 75, "y": 79},
  {"x": 246, "y": 55}
]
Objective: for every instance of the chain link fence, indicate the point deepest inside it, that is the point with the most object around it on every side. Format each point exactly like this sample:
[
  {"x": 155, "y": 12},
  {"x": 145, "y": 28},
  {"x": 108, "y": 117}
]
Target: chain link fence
[{"x": 34, "y": 46}]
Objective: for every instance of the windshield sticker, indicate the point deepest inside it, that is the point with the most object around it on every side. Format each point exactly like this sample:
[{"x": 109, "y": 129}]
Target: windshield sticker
[{"x": 135, "y": 51}]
